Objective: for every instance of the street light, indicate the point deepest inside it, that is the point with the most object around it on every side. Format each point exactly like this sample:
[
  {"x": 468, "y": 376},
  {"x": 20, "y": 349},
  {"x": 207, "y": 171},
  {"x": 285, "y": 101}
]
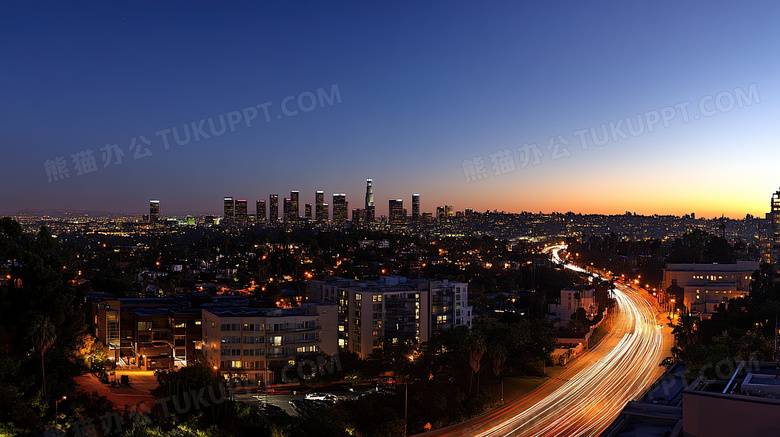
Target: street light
[{"x": 56, "y": 409}]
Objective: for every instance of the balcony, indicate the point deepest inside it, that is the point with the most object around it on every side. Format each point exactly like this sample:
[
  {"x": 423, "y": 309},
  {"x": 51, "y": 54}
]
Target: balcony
[
  {"x": 299, "y": 341},
  {"x": 293, "y": 329}
]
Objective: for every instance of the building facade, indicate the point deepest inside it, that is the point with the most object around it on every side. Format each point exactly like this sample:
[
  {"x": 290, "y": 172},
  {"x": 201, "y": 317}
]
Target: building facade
[
  {"x": 396, "y": 211},
  {"x": 370, "y": 211},
  {"x": 392, "y": 309},
  {"x": 287, "y": 211},
  {"x": 705, "y": 286},
  {"x": 260, "y": 210},
  {"x": 774, "y": 219},
  {"x": 154, "y": 211},
  {"x": 572, "y": 299},
  {"x": 319, "y": 199},
  {"x": 273, "y": 208},
  {"x": 241, "y": 212},
  {"x": 295, "y": 198},
  {"x": 254, "y": 344},
  {"x": 228, "y": 210},
  {"x": 340, "y": 208}
]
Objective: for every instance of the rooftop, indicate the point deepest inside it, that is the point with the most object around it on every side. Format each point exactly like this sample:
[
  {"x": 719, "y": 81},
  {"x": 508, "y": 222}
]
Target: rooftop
[
  {"x": 740, "y": 266},
  {"x": 305, "y": 310}
]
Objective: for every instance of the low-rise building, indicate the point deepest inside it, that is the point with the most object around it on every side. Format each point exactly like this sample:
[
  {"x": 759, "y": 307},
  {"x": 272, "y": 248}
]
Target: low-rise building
[
  {"x": 705, "y": 286},
  {"x": 155, "y": 333},
  {"x": 253, "y": 343},
  {"x": 573, "y": 299}
]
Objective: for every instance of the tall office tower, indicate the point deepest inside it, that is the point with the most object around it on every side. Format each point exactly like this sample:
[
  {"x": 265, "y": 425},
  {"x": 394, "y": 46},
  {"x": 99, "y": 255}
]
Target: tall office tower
[
  {"x": 415, "y": 207},
  {"x": 154, "y": 211},
  {"x": 774, "y": 253},
  {"x": 319, "y": 198},
  {"x": 448, "y": 211},
  {"x": 241, "y": 212},
  {"x": 359, "y": 215},
  {"x": 370, "y": 209},
  {"x": 260, "y": 210},
  {"x": 273, "y": 208},
  {"x": 295, "y": 197},
  {"x": 440, "y": 214},
  {"x": 340, "y": 208},
  {"x": 396, "y": 211},
  {"x": 307, "y": 211},
  {"x": 325, "y": 212},
  {"x": 229, "y": 211},
  {"x": 469, "y": 213},
  {"x": 287, "y": 211}
]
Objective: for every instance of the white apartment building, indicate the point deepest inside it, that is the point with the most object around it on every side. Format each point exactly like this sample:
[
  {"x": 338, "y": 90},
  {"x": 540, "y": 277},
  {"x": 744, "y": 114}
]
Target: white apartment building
[{"x": 572, "y": 299}]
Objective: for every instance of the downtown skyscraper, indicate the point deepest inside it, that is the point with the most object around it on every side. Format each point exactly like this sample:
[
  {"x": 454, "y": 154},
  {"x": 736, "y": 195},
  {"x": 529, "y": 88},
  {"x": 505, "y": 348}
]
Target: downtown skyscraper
[
  {"x": 260, "y": 210},
  {"x": 319, "y": 210},
  {"x": 340, "y": 208},
  {"x": 370, "y": 212},
  {"x": 273, "y": 208},
  {"x": 287, "y": 211},
  {"x": 228, "y": 210},
  {"x": 415, "y": 207},
  {"x": 295, "y": 198},
  {"x": 241, "y": 212},
  {"x": 396, "y": 212},
  {"x": 154, "y": 211}
]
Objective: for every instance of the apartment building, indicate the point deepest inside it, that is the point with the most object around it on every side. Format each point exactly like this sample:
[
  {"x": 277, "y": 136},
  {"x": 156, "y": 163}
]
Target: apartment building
[
  {"x": 393, "y": 308},
  {"x": 253, "y": 343},
  {"x": 155, "y": 333}
]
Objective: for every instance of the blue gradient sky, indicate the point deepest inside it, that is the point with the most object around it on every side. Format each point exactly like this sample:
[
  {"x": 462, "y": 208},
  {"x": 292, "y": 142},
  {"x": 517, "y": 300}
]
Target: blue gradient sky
[{"x": 424, "y": 86}]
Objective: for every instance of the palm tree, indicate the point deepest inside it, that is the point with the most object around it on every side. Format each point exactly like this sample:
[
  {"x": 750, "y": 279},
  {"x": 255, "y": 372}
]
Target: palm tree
[
  {"x": 476, "y": 350},
  {"x": 498, "y": 352},
  {"x": 42, "y": 334},
  {"x": 685, "y": 330}
]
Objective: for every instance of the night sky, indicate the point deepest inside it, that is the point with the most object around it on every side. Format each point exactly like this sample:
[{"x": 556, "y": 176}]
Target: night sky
[{"x": 411, "y": 94}]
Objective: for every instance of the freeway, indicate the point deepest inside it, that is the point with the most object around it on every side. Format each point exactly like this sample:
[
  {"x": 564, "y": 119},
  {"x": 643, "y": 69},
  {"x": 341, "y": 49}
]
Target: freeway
[{"x": 587, "y": 397}]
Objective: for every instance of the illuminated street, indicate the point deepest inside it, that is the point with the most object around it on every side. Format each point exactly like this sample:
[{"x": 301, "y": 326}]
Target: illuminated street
[{"x": 587, "y": 397}]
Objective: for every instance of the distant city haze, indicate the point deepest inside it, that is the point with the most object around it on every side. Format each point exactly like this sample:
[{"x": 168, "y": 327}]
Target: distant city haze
[{"x": 189, "y": 105}]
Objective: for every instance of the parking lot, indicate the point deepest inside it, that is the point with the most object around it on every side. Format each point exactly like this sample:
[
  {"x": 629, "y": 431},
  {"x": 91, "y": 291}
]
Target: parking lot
[{"x": 318, "y": 398}]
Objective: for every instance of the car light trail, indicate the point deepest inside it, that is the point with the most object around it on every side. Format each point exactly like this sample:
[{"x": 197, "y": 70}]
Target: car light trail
[{"x": 586, "y": 404}]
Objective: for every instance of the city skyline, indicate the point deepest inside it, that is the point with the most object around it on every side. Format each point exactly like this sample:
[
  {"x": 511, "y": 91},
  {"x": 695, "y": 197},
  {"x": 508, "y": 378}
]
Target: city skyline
[
  {"x": 318, "y": 198},
  {"x": 404, "y": 218},
  {"x": 650, "y": 128}
]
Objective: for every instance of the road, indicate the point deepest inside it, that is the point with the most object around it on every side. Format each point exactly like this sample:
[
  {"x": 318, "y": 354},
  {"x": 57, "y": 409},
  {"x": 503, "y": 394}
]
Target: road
[
  {"x": 121, "y": 397},
  {"x": 283, "y": 400},
  {"x": 588, "y": 396}
]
